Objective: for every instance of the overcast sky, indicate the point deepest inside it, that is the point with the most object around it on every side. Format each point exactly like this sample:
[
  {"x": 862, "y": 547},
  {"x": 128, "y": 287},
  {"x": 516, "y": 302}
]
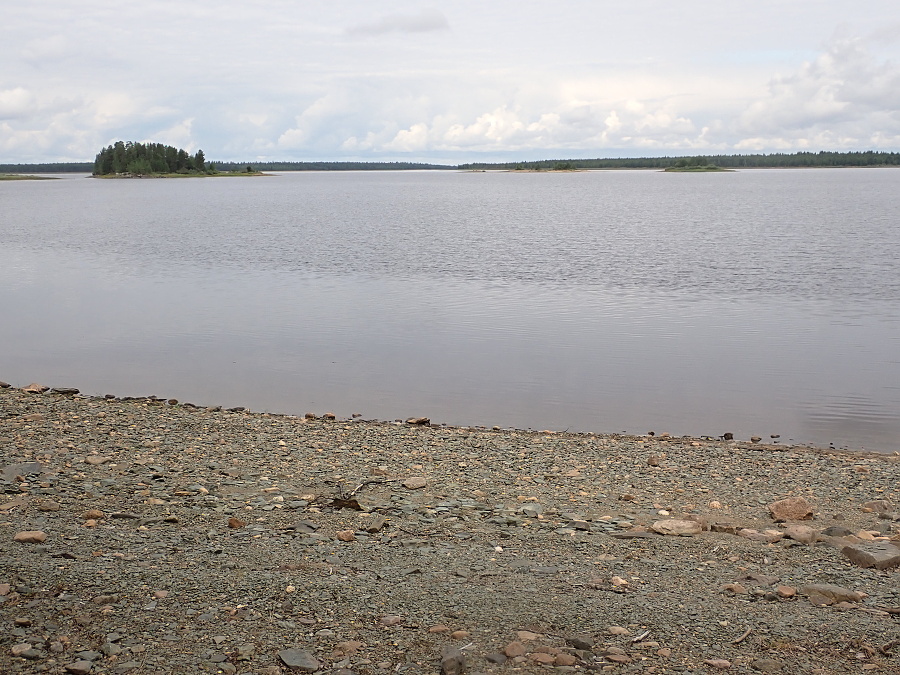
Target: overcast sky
[{"x": 451, "y": 81}]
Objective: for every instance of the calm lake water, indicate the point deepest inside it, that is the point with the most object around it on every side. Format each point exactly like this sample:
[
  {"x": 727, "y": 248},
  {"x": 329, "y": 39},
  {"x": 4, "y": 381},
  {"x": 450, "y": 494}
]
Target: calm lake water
[{"x": 756, "y": 302}]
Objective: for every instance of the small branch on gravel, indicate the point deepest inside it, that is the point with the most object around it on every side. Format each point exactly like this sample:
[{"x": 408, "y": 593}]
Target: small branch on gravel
[
  {"x": 889, "y": 610},
  {"x": 742, "y": 637},
  {"x": 886, "y": 648},
  {"x": 640, "y": 637}
]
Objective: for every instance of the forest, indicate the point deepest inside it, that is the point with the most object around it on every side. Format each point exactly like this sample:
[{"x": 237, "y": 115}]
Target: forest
[
  {"x": 798, "y": 159},
  {"x": 149, "y": 158},
  {"x": 135, "y": 158}
]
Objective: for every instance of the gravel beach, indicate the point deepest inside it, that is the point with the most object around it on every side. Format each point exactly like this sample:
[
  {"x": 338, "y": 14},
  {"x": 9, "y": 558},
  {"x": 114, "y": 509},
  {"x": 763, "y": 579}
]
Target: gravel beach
[{"x": 151, "y": 536}]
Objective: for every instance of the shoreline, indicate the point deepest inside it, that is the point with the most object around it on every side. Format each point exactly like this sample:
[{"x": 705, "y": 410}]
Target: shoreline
[
  {"x": 761, "y": 445},
  {"x": 142, "y": 537}
]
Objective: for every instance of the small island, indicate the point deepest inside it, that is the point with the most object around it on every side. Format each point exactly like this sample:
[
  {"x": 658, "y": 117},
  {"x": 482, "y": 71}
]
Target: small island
[
  {"x": 155, "y": 160},
  {"x": 24, "y": 176},
  {"x": 694, "y": 165}
]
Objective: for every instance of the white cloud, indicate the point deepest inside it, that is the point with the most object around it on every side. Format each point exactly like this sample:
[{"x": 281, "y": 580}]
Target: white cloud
[
  {"x": 424, "y": 21},
  {"x": 16, "y": 103}
]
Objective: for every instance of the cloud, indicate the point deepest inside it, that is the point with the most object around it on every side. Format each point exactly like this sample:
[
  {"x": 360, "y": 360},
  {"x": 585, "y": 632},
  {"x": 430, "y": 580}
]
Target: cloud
[
  {"x": 842, "y": 98},
  {"x": 424, "y": 21},
  {"x": 16, "y": 103}
]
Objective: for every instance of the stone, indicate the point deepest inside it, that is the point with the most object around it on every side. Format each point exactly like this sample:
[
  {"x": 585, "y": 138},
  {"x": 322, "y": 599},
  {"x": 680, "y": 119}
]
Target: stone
[
  {"x": 583, "y": 642},
  {"x": 676, "y": 527},
  {"x": 766, "y": 665},
  {"x": 786, "y": 591},
  {"x": 65, "y": 391},
  {"x": 540, "y": 657},
  {"x": 48, "y": 506},
  {"x": 21, "y": 648},
  {"x": 802, "y": 533},
  {"x": 299, "y": 659},
  {"x": 830, "y": 592},
  {"x": 877, "y": 506},
  {"x": 453, "y": 661},
  {"x": 418, "y": 420},
  {"x": 346, "y": 535},
  {"x": 79, "y": 667},
  {"x": 564, "y": 659},
  {"x": 459, "y": 634},
  {"x": 439, "y": 628},
  {"x": 93, "y": 514},
  {"x": 391, "y": 620},
  {"x": 514, "y": 649},
  {"x": 496, "y": 657},
  {"x": 35, "y": 388},
  {"x": 721, "y": 664},
  {"x": 415, "y": 483},
  {"x": 792, "y": 508},
  {"x": 97, "y": 460},
  {"x": 618, "y": 630},
  {"x": 30, "y": 537},
  {"x": 880, "y": 555},
  {"x": 235, "y": 523}
]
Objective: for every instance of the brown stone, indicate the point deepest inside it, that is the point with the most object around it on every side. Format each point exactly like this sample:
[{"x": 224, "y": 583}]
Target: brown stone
[
  {"x": 830, "y": 592},
  {"x": 439, "y": 628},
  {"x": 346, "y": 535},
  {"x": 35, "y": 388},
  {"x": 792, "y": 508},
  {"x": 880, "y": 555},
  {"x": 391, "y": 620},
  {"x": 93, "y": 514},
  {"x": 453, "y": 661},
  {"x": 460, "y": 634},
  {"x": 676, "y": 527},
  {"x": 97, "y": 460},
  {"x": 418, "y": 420},
  {"x": 235, "y": 523},
  {"x": 802, "y": 533},
  {"x": 415, "y": 483},
  {"x": 540, "y": 657},
  {"x": 786, "y": 591},
  {"x": 877, "y": 506},
  {"x": 30, "y": 537},
  {"x": 514, "y": 649},
  {"x": 737, "y": 589},
  {"x": 564, "y": 659},
  {"x": 48, "y": 506},
  {"x": 721, "y": 664}
]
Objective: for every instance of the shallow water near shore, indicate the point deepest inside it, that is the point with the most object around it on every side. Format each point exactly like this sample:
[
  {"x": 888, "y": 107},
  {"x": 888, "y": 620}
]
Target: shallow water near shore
[{"x": 758, "y": 302}]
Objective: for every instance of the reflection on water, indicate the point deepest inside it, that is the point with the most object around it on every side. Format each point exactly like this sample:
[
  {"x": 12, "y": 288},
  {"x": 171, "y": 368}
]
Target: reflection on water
[{"x": 757, "y": 302}]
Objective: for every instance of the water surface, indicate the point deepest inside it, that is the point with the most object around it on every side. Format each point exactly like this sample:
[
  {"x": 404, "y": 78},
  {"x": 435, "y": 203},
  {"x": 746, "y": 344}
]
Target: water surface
[{"x": 756, "y": 302}]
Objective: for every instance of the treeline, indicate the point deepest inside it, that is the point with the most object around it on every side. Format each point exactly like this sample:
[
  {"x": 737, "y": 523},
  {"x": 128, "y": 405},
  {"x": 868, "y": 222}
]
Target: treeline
[
  {"x": 329, "y": 166},
  {"x": 147, "y": 158},
  {"x": 798, "y": 159},
  {"x": 51, "y": 167}
]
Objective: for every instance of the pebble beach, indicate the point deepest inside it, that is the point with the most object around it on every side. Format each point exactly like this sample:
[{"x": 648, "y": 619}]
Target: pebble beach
[{"x": 146, "y": 535}]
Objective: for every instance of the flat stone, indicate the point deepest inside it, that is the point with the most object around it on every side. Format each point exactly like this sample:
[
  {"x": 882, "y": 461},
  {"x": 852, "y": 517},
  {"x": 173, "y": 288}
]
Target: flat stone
[
  {"x": 30, "y": 537},
  {"x": 514, "y": 649},
  {"x": 802, "y": 533},
  {"x": 299, "y": 659},
  {"x": 880, "y": 555},
  {"x": 831, "y": 592},
  {"x": 48, "y": 506},
  {"x": 415, "y": 483},
  {"x": 35, "y": 388},
  {"x": 766, "y": 665},
  {"x": 97, "y": 460},
  {"x": 676, "y": 527},
  {"x": 418, "y": 420},
  {"x": 792, "y": 508},
  {"x": 79, "y": 667}
]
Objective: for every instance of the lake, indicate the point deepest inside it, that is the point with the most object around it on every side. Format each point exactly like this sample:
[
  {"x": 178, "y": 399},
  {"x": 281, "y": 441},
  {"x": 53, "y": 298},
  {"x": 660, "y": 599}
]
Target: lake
[{"x": 760, "y": 302}]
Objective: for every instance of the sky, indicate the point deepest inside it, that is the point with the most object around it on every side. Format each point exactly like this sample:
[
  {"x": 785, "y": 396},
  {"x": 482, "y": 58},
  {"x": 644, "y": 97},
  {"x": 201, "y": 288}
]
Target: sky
[{"x": 453, "y": 81}]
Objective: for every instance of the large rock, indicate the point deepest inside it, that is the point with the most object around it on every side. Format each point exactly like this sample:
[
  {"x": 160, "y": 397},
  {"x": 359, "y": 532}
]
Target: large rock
[
  {"x": 453, "y": 662},
  {"x": 830, "y": 593},
  {"x": 676, "y": 527},
  {"x": 30, "y": 537},
  {"x": 299, "y": 659},
  {"x": 792, "y": 508},
  {"x": 35, "y": 388},
  {"x": 802, "y": 533},
  {"x": 880, "y": 555}
]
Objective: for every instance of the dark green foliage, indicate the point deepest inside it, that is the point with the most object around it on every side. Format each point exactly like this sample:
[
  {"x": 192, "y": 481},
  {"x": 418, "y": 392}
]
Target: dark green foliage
[
  {"x": 799, "y": 159},
  {"x": 146, "y": 158}
]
